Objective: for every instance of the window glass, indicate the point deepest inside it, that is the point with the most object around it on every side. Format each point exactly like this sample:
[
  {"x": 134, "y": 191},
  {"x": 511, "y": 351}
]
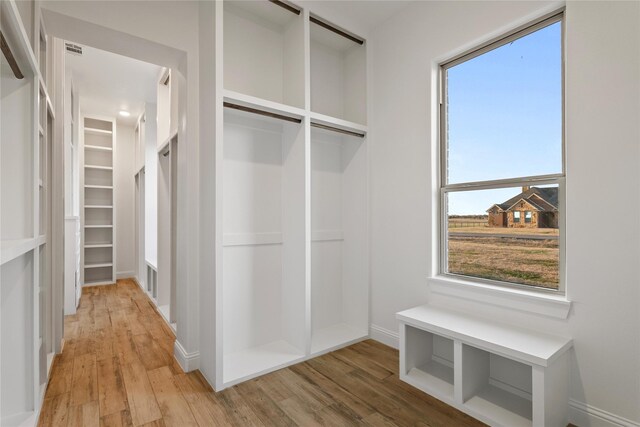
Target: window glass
[
  {"x": 504, "y": 110},
  {"x": 482, "y": 242}
]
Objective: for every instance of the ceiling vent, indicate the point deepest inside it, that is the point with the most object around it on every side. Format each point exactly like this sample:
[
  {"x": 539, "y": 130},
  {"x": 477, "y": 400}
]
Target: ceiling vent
[{"x": 73, "y": 48}]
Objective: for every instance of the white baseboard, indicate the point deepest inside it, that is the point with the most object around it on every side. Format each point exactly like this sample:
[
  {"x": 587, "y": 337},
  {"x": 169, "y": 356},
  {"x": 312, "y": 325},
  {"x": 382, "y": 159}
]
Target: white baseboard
[
  {"x": 582, "y": 414},
  {"x": 25, "y": 419},
  {"x": 187, "y": 361},
  {"x": 125, "y": 274},
  {"x": 139, "y": 283},
  {"x": 385, "y": 336}
]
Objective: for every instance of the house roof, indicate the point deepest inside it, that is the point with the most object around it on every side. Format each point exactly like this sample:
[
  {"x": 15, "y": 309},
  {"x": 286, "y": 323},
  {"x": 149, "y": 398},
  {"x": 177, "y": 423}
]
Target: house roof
[{"x": 543, "y": 199}]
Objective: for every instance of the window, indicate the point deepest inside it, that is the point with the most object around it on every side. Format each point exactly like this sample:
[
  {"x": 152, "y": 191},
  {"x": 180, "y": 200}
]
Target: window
[
  {"x": 516, "y": 216},
  {"x": 502, "y": 156}
]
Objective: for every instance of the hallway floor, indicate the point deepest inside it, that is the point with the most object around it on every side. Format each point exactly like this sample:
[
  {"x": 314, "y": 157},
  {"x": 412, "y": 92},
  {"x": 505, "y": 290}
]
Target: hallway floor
[{"x": 117, "y": 369}]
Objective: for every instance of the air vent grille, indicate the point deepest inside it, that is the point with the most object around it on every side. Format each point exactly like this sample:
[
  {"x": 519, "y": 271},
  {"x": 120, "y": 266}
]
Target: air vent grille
[{"x": 73, "y": 48}]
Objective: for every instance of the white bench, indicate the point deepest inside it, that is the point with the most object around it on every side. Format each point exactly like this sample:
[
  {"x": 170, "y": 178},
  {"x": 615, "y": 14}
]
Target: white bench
[{"x": 451, "y": 356}]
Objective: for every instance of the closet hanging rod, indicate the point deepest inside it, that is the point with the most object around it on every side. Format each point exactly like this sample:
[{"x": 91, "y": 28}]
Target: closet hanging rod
[
  {"x": 286, "y": 6},
  {"x": 336, "y": 30},
  {"x": 261, "y": 112},
  {"x": 334, "y": 129},
  {"x": 6, "y": 51}
]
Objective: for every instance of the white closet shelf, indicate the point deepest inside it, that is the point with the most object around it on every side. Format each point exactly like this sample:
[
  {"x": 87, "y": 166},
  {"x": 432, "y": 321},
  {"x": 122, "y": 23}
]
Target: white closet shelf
[
  {"x": 335, "y": 336},
  {"x": 98, "y": 207},
  {"x": 106, "y": 168},
  {"x": 97, "y": 148},
  {"x": 98, "y": 226},
  {"x": 13, "y": 248},
  {"x": 262, "y": 104},
  {"x": 101, "y": 187},
  {"x": 335, "y": 122},
  {"x": 255, "y": 361},
  {"x": 98, "y": 245},
  {"x": 95, "y": 131},
  {"x": 99, "y": 265}
]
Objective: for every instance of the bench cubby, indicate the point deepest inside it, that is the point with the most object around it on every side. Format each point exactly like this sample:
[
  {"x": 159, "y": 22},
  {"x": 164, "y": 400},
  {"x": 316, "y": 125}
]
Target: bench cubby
[{"x": 500, "y": 374}]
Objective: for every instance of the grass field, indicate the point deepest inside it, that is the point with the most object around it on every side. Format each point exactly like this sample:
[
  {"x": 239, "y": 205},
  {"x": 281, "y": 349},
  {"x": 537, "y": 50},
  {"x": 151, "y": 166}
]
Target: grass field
[{"x": 532, "y": 262}]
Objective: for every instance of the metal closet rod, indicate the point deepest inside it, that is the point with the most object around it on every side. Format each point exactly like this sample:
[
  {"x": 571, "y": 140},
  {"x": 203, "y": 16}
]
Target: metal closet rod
[
  {"x": 334, "y": 129},
  {"x": 6, "y": 51},
  {"x": 286, "y": 6},
  {"x": 335, "y": 30},
  {"x": 262, "y": 112}
]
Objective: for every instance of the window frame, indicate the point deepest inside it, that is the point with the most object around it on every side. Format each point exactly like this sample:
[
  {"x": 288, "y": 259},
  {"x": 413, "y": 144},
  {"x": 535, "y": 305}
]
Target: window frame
[
  {"x": 516, "y": 218},
  {"x": 558, "y": 179},
  {"x": 528, "y": 217}
]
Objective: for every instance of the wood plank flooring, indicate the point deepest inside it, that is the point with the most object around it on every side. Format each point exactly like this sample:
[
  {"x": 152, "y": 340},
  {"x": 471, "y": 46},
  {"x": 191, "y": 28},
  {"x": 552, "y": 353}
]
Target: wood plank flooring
[{"x": 117, "y": 369}]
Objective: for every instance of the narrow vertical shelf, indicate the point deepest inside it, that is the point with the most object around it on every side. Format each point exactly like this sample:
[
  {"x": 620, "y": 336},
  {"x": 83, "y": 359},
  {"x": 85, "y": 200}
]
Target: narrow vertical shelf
[
  {"x": 264, "y": 203},
  {"x": 339, "y": 285},
  {"x": 98, "y": 215}
]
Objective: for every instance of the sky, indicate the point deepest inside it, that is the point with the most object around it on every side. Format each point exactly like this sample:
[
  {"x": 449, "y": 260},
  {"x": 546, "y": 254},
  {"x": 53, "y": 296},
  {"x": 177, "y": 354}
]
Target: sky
[{"x": 505, "y": 117}]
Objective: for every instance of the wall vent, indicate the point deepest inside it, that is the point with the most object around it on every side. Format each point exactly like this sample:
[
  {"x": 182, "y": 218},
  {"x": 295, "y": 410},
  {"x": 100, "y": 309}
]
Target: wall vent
[{"x": 73, "y": 48}]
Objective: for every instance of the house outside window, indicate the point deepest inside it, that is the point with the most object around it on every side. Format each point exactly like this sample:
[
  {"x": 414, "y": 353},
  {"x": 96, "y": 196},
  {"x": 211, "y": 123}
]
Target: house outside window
[{"x": 501, "y": 158}]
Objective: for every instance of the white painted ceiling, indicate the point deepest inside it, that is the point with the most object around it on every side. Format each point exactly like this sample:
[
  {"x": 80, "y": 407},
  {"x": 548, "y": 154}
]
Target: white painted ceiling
[{"x": 108, "y": 83}]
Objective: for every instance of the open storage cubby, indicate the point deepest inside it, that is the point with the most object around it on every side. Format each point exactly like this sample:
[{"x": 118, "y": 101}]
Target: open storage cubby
[
  {"x": 264, "y": 51},
  {"x": 483, "y": 393},
  {"x": 98, "y": 196},
  {"x": 339, "y": 286},
  {"x": 98, "y": 236},
  {"x": 152, "y": 281},
  {"x": 98, "y": 275},
  {"x": 98, "y": 217},
  {"x": 98, "y": 201},
  {"x": 264, "y": 245},
  {"x": 338, "y": 74},
  {"x": 98, "y": 177},
  {"x": 428, "y": 363}
]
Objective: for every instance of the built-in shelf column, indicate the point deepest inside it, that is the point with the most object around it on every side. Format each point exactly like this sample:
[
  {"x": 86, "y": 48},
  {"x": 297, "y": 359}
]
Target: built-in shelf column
[{"x": 98, "y": 207}]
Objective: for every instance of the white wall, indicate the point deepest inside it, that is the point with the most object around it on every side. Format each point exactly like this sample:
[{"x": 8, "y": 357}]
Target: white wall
[
  {"x": 124, "y": 183},
  {"x": 603, "y": 159}
]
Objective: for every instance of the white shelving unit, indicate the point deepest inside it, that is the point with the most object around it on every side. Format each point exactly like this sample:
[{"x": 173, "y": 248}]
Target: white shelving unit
[
  {"x": 500, "y": 374},
  {"x": 26, "y": 144},
  {"x": 292, "y": 264},
  {"x": 98, "y": 200}
]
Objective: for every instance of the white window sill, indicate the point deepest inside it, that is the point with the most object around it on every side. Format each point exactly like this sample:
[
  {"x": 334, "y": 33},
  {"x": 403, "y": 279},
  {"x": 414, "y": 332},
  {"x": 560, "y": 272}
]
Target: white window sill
[{"x": 556, "y": 306}]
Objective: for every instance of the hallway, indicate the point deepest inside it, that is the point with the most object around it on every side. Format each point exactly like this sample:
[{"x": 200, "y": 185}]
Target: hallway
[{"x": 117, "y": 369}]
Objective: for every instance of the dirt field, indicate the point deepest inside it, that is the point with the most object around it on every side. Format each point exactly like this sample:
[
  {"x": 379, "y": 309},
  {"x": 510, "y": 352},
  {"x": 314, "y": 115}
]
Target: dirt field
[
  {"x": 503, "y": 230},
  {"x": 533, "y": 262}
]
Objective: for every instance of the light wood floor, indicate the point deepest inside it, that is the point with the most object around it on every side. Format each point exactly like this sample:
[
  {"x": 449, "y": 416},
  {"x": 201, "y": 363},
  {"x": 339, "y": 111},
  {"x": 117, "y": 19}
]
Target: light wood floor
[{"x": 117, "y": 369}]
